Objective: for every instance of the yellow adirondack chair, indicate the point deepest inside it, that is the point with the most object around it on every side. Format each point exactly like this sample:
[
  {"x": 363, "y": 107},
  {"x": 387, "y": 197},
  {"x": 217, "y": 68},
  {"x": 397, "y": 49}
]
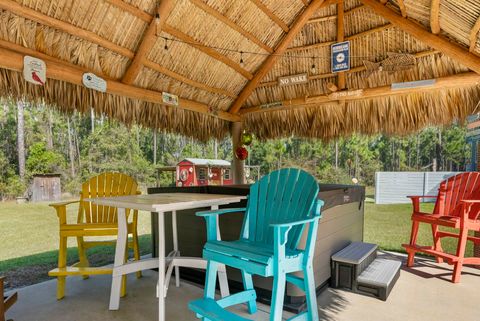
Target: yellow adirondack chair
[{"x": 93, "y": 220}]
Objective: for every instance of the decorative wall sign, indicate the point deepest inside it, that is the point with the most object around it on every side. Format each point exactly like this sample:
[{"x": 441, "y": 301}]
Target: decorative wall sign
[
  {"x": 394, "y": 62},
  {"x": 293, "y": 80},
  {"x": 413, "y": 84},
  {"x": 271, "y": 105},
  {"x": 340, "y": 56},
  {"x": 170, "y": 99},
  {"x": 346, "y": 93},
  {"x": 34, "y": 70},
  {"x": 94, "y": 82}
]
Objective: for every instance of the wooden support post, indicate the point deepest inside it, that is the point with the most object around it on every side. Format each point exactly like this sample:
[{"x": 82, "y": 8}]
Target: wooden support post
[
  {"x": 238, "y": 166},
  {"x": 341, "y": 79}
]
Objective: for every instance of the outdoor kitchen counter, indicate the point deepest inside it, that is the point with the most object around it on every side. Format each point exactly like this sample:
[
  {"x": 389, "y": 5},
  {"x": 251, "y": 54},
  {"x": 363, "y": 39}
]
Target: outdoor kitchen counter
[{"x": 341, "y": 223}]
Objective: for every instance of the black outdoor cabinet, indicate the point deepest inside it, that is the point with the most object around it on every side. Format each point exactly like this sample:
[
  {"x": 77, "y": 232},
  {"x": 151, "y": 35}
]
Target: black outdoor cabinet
[{"x": 341, "y": 223}]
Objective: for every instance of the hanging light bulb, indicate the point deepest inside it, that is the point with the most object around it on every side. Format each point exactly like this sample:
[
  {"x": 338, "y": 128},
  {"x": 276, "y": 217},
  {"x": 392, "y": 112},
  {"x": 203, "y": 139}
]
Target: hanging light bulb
[
  {"x": 242, "y": 63},
  {"x": 313, "y": 69},
  {"x": 157, "y": 18},
  {"x": 166, "y": 44}
]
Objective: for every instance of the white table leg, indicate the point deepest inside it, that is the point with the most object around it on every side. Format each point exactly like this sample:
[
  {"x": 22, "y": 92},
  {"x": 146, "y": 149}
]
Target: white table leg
[
  {"x": 161, "y": 267},
  {"x": 119, "y": 259},
  {"x": 222, "y": 271},
  {"x": 175, "y": 246}
]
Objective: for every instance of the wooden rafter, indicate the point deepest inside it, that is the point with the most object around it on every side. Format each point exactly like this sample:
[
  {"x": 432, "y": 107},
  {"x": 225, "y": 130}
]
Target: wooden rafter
[
  {"x": 403, "y": 8},
  {"x": 401, "y": 5},
  {"x": 448, "y": 82},
  {"x": 341, "y": 79},
  {"x": 148, "y": 41},
  {"x": 121, "y": 4},
  {"x": 474, "y": 35},
  {"x": 437, "y": 42},
  {"x": 211, "y": 11},
  {"x": 435, "y": 16},
  {"x": 334, "y": 17},
  {"x": 280, "y": 49},
  {"x": 305, "y": 2},
  {"x": 352, "y": 37},
  {"x": 159, "y": 68},
  {"x": 352, "y": 70},
  {"x": 38, "y": 17},
  {"x": 271, "y": 15},
  {"x": 209, "y": 51},
  {"x": 59, "y": 71}
]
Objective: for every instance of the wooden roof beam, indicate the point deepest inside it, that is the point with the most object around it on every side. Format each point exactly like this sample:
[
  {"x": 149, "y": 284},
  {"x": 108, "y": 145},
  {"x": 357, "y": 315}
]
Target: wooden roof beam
[
  {"x": 341, "y": 78},
  {"x": 145, "y": 16},
  {"x": 209, "y": 51},
  {"x": 435, "y": 16},
  {"x": 474, "y": 35},
  {"x": 437, "y": 42},
  {"x": 280, "y": 49},
  {"x": 148, "y": 41},
  {"x": 448, "y": 82},
  {"x": 401, "y": 5},
  {"x": 271, "y": 15},
  {"x": 334, "y": 17},
  {"x": 27, "y": 13},
  {"x": 14, "y": 61},
  {"x": 211, "y": 11}
]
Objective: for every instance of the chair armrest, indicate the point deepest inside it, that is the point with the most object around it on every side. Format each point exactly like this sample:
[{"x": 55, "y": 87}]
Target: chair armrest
[
  {"x": 416, "y": 201},
  {"x": 60, "y": 204},
  {"x": 220, "y": 212},
  {"x": 61, "y": 209},
  {"x": 293, "y": 223}
]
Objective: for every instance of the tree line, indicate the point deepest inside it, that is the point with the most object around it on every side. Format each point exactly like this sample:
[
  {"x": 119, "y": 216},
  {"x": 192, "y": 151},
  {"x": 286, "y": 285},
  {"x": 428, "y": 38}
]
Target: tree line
[{"x": 37, "y": 139}]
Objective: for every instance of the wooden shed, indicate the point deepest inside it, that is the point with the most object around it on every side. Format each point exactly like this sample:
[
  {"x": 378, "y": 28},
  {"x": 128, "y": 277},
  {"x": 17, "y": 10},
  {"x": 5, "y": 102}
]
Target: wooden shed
[{"x": 46, "y": 187}]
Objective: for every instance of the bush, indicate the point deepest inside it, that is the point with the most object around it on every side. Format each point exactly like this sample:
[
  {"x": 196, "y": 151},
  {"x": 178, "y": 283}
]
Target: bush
[{"x": 43, "y": 161}]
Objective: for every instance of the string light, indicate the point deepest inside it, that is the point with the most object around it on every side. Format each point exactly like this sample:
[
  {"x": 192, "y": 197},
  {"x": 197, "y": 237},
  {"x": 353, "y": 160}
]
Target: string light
[
  {"x": 314, "y": 68},
  {"x": 242, "y": 63},
  {"x": 243, "y": 52},
  {"x": 166, "y": 44}
]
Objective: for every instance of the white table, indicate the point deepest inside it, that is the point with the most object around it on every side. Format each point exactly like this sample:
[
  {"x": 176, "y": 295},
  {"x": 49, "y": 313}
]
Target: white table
[{"x": 160, "y": 203}]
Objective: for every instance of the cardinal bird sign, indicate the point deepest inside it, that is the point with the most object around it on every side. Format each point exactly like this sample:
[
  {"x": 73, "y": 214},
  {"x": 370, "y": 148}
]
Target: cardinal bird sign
[{"x": 34, "y": 70}]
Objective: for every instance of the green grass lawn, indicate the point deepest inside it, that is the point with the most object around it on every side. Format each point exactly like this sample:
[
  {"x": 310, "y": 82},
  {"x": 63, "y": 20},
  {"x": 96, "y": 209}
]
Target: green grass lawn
[
  {"x": 29, "y": 242},
  {"x": 29, "y": 237}
]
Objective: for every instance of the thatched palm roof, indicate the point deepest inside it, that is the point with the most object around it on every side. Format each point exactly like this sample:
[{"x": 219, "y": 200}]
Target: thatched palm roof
[{"x": 192, "y": 49}]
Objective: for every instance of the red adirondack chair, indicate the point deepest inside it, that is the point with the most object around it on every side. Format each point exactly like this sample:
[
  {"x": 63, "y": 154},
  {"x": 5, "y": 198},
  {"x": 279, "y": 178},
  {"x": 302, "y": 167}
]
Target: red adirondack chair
[{"x": 457, "y": 206}]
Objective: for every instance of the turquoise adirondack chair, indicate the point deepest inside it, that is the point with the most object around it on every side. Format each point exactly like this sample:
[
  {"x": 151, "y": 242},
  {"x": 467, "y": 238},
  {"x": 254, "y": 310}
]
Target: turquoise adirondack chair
[{"x": 280, "y": 206}]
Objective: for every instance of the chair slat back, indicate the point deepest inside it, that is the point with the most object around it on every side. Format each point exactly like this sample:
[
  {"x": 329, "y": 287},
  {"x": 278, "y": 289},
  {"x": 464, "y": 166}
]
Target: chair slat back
[
  {"x": 281, "y": 196},
  {"x": 104, "y": 185},
  {"x": 464, "y": 186}
]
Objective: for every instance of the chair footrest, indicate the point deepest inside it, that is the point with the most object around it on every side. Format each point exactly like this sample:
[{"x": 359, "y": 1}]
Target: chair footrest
[
  {"x": 429, "y": 250},
  {"x": 209, "y": 308},
  {"x": 70, "y": 270}
]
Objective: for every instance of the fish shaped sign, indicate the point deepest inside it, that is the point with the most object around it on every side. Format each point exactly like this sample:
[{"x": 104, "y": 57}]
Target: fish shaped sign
[
  {"x": 394, "y": 62},
  {"x": 94, "y": 82},
  {"x": 34, "y": 70},
  {"x": 169, "y": 99}
]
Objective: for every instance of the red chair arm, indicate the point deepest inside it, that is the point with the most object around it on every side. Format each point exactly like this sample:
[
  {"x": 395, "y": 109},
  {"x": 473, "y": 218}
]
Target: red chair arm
[{"x": 416, "y": 202}]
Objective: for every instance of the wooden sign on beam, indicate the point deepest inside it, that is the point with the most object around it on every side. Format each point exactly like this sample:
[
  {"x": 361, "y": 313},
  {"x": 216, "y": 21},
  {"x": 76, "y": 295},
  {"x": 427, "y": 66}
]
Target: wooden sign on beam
[{"x": 293, "y": 80}]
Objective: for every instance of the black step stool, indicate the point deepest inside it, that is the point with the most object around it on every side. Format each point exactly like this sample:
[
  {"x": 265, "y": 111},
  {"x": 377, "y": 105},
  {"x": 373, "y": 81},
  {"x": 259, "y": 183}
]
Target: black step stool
[{"x": 357, "y": 268}]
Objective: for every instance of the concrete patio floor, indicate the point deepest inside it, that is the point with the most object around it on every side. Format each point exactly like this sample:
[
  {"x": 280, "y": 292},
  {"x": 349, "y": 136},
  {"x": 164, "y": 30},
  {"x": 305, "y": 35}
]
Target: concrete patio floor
[{"x": 423, "y": 293}]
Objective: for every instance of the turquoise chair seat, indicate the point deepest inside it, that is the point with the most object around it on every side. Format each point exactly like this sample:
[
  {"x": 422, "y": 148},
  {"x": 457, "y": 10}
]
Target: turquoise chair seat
[
  {"x": 256, "y": 257},
  {"x": 281, "y": 207}
]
